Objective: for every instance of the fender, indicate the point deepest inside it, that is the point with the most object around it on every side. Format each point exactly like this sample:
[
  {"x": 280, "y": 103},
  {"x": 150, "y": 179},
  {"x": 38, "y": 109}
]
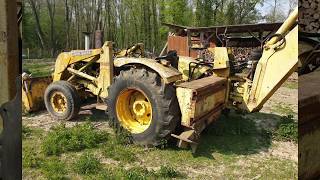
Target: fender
[{"x": 167, "y": 73}]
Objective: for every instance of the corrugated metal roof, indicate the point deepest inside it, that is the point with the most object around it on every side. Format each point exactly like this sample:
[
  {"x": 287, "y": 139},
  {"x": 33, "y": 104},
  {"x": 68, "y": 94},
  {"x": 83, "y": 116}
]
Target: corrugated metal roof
[{"x": 243, "y": 28}]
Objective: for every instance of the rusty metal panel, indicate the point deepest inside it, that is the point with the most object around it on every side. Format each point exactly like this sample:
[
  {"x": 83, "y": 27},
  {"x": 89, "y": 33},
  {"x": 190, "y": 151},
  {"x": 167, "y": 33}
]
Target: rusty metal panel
[
  {"x": 201, "y": 99},
  {"x": 309, "y": 126},
  {"x": 180, "y": 44}
]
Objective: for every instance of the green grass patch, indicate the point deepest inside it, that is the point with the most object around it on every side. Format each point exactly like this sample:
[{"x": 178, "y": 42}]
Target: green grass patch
[
  {"x": 39, "y": 68},
  {"x": 26, "y": 131},
  {"x": 62, "y": 139},
  {"x": 283, "y": 109},
  {"x": 87, "y": 164},
  {"x": 232, "y": 135},
  {"x": 141, "y": 173},
  {"x": 31, "y": 158},
  {"x": 287, "y": 129},
  {"x": 119, "y": 152},
  {"x": 168, "y": 172},
  {"x": 291, "y": 84},
  {"x": 54, "y": 168}
]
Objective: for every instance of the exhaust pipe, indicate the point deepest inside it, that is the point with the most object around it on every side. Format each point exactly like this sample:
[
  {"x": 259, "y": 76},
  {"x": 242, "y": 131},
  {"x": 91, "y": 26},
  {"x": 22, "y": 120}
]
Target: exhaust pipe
[{"x": 86, "y": 40}]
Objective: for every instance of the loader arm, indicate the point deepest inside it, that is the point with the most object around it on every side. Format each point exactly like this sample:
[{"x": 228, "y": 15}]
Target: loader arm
[{"x": 279, "y": 60}]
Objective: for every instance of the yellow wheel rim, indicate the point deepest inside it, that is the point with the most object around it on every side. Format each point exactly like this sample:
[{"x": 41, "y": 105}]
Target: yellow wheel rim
[
  {"x": 58, "y": 102},
  {"x": 134, "y": 110}
]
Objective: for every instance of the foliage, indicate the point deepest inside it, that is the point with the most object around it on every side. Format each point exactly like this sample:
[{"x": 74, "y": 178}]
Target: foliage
[
  {"x": 54, "y": 26},
  {"x": 87, "y": 164},
  {"x": 77, "y": 138},
  {"x": 287, "y": 129}
]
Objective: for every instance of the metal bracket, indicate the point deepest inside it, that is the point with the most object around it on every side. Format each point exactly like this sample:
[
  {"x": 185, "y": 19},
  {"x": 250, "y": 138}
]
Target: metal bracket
[{"x": 188, "y": 137}]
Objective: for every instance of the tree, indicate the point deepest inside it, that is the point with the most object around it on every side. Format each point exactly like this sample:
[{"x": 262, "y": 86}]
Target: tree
[
  {"x": 51, "y": 5},
  {"x": 59, "y": 23},
  {"x": 275, "y": 14},
  {"x": 34, "y": 4}
]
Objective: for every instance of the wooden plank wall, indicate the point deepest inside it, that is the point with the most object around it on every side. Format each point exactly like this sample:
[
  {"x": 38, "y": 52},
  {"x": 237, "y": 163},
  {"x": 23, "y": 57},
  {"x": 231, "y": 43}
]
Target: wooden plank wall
[{"x": 9, "y": 66}]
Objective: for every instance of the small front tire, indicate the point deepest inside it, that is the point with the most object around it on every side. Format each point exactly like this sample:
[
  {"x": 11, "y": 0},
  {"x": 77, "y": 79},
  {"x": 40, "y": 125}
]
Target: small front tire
[{"x": 62, "y": 100}]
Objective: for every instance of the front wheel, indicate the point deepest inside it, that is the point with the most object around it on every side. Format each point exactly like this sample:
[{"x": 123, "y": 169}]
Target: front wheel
[
  {"x": 61, "y": 100},
  {"x": 142, "y": 105}
]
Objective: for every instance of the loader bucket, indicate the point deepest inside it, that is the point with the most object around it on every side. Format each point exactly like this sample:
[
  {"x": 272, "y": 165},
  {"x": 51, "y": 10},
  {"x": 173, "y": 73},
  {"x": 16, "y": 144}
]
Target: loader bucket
[{"x": 33, "y": 89}]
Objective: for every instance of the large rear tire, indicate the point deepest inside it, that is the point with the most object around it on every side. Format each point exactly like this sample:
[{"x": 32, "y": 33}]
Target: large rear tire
[
  {"x": 142, "y": 105},
  {"x": 62, "y": 100}
]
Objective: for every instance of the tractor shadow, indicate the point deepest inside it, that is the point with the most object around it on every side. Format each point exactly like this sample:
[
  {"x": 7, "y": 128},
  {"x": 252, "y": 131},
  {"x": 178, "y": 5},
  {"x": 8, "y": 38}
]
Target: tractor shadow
[
  {"x": 232, "y": 134},
  {"x": 88, "y": 112},
  {"x": 238, "y": 135}
]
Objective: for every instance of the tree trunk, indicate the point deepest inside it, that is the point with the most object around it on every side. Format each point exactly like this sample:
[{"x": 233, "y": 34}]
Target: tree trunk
[{"x": 37, "y": 19}]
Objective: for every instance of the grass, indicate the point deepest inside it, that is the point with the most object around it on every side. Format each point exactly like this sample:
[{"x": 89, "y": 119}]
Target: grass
[
  {"x": 26, "y": 132},
  {"x": 77, "y": 138},
  {"x": 283, "y": 109},
  {"x": 39, "y": 67},
  {"x": 227, "y": 142},
  {"x": 168, "y": 172},
  {"x": 87, "y": 164},
  {"x": 54, "y": 169},
  {"x": 291, "y": 84},
  {"x": 119, "y": 153},
  {"x": 287, "y": 129},
  {"x": 140, "y": 173},
  {"x": 31, "y": 158}
]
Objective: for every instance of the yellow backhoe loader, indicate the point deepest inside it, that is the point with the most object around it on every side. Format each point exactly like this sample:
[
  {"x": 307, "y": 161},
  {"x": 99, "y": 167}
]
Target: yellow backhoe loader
[{"x": 151, "y": 98}]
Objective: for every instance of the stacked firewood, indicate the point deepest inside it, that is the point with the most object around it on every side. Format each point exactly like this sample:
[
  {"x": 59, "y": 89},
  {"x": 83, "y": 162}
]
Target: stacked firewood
[
  {"x": 309, "y": 16},
  {"x": 242, "y": 54}
]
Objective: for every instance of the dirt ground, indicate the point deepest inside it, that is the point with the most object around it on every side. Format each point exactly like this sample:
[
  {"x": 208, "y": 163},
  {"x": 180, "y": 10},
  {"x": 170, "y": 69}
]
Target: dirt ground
[{"x": 220, "y": 156}]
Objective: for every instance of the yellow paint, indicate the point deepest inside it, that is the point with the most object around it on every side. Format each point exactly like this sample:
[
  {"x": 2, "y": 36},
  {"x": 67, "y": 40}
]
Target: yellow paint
[
  {"x": 285, "y": 28},
  {"x": 274, "y": 67},
  {"x": 58, "y": 102},
  {"x": 167, "y": 73},
  {"x": 183, "y": 67},
  {"x": 66, "y": 59},
  {"x": 134, "y": 110},
  {"x": 192, "y": 106},
  {"x": 32, "y": 93},
  {"x": 221, "y": 61}
]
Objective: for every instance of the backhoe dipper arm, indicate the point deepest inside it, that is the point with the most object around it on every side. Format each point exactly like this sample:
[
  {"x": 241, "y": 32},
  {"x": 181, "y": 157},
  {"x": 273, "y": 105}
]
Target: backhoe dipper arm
[{"x": 279, "y": 60}]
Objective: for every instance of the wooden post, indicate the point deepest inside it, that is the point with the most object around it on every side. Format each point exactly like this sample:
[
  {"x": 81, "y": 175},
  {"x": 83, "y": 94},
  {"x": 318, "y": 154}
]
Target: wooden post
[{"x": 9, "y": 58}]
